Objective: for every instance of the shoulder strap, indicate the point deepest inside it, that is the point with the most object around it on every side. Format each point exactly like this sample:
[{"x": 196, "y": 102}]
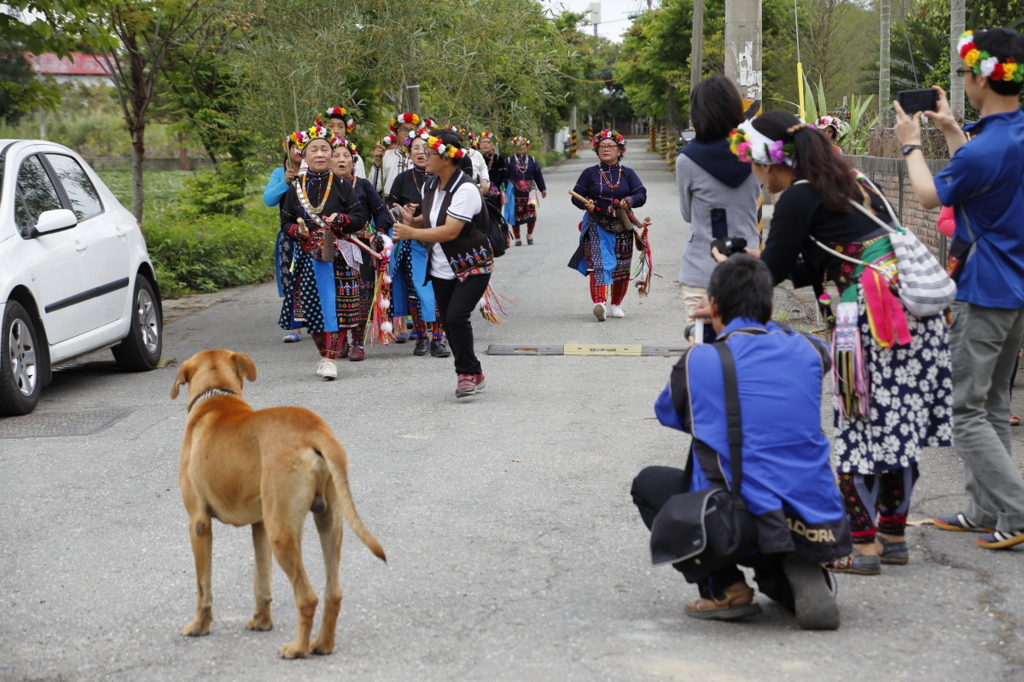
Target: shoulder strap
[{"x": 733, "y": 419}]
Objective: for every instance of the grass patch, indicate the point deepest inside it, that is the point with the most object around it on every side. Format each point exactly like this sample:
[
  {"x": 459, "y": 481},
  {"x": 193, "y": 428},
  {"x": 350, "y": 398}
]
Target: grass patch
[
  {"x": 160, "y": 188},
  {"x": 545, "y": 159}
]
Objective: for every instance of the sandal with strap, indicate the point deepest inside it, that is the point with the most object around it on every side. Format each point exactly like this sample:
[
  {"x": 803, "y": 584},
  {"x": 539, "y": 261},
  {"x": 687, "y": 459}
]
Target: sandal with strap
[
  {"x": 959, "y": 522},
  {"x": 857, "y": 563},
  {"x": 894, "y": 551},
  {"x": 724, "y": 608},
  {"x": 1000, "y": 540}
]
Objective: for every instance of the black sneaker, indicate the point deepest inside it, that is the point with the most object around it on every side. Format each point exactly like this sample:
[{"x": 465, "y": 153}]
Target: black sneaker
[
  {"x": 439, "y": 349},
  {"x": 422, "y": 345}
]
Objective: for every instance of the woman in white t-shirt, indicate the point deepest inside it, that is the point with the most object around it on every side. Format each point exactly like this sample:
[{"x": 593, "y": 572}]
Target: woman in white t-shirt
[{"x": 460, "y": 256}]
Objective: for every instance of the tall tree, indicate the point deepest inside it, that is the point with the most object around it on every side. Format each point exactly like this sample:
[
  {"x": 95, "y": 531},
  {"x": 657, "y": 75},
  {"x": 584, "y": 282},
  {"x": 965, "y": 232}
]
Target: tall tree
[
  {"x": 146, "y": 30},
  {"x": 957, "y": 18}
]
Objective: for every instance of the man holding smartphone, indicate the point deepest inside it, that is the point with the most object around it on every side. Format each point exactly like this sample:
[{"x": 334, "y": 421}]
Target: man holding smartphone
[{"x": 984, "y": 183}]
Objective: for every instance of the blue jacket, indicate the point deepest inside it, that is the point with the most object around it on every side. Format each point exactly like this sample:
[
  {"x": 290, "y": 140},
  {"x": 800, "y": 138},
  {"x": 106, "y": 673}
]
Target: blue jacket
[
  {"x": 788, "y": 482},
  {"x": 276, "y": 188}
]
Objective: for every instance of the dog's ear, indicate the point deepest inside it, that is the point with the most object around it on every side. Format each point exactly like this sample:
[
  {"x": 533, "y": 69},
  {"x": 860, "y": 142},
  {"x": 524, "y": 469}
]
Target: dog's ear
[
  {"x": 184, "y": 375},
  {"x": 245, "y": 366}
]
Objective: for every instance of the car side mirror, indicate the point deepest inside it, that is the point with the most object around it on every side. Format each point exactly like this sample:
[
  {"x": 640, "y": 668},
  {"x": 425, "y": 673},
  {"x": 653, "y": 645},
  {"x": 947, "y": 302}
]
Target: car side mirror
[{"x": 55, "y": 221}]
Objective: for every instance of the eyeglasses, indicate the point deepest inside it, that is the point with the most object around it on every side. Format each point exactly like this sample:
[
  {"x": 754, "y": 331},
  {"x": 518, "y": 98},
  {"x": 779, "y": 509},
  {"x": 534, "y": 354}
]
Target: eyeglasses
[
  {"x": 963, "y": 71},
  {"x": 431, "y": 154},
  {"x": 607, "y": 146}
]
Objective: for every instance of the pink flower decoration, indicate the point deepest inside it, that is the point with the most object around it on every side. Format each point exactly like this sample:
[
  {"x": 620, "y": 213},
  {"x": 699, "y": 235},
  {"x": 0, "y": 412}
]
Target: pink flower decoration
[
  {"x": 741, "y": 151},
  {"x": 776, "y": 153}
]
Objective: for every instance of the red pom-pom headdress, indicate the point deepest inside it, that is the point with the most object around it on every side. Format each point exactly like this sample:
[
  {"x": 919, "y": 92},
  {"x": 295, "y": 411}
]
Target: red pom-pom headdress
[
  {"x": 443, "y": 149},
  {"x": 341, "y": 114},
  {"x": 403, "y": 119}
]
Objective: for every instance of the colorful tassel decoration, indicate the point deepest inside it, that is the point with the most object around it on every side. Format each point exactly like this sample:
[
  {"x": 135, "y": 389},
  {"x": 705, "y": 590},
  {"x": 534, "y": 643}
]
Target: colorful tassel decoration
[
  {"x": 491, "y": 307},
  {"x": 378, "y": 324},
  {"x": 849, "y": 369}
]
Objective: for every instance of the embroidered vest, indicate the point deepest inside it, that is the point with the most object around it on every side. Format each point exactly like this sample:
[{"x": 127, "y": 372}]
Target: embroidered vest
[{"x": 470, "y": 252}]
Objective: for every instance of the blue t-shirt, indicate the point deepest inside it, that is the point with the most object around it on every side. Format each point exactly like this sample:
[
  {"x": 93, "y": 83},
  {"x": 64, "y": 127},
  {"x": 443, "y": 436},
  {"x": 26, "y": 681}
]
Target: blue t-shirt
[{"x": 983, "y": 184}]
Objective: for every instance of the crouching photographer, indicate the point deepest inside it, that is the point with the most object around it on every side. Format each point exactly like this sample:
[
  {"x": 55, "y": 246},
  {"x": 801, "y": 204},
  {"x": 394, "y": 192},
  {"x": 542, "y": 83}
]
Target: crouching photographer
[{"x": 752, "y": 402}]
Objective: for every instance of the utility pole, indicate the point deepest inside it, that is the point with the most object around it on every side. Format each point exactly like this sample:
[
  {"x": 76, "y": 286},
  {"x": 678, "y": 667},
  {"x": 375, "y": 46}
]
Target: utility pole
[
  {"x": 743, "y": 51},
  {"x": 884, "y": 94},
  {"x": 414, "y": 97},
  {"x": 696, "y": 46},
  {"x": 595, "y": 15},
  {"x": 956, "y": 84}
]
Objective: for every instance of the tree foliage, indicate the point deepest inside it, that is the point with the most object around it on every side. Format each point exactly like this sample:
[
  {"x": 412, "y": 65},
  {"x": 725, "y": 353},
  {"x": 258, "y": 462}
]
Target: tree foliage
[
  {"x": 38, "y": 26},
  {"x": 477, "y": 62}
]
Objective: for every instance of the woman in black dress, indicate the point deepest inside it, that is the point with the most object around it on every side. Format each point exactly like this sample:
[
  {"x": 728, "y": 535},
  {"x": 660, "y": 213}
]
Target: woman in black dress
[{"x": 318, "y": 210}]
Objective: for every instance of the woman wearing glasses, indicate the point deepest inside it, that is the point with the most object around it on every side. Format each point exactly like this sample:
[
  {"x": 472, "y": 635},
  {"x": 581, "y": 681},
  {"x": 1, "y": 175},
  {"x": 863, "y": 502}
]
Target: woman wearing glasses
[{"x": 606, "y": 245}]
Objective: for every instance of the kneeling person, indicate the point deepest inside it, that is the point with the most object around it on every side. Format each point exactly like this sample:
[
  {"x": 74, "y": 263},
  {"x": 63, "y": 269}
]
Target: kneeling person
[{"x": 788, "y": 484}]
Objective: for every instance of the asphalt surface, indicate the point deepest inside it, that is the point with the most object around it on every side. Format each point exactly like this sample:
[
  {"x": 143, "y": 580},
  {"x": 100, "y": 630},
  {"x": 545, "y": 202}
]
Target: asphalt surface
[{"x": 514, "y": 550}]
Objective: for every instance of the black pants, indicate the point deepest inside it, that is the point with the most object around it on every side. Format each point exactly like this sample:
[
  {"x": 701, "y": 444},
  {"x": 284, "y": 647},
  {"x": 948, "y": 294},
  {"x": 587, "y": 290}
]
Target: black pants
[
  {"x": 456, "y": 301},
  {"x": 651, "y": 490}
]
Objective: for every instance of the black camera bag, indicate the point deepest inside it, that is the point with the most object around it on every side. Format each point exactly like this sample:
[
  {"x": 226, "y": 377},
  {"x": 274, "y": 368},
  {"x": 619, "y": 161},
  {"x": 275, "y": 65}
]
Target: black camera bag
[{"x": 709, "y": 530}]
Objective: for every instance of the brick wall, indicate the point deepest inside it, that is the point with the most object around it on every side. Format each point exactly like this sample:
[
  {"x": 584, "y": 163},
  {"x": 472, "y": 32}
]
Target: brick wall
[{"x": 891, "y": 177}]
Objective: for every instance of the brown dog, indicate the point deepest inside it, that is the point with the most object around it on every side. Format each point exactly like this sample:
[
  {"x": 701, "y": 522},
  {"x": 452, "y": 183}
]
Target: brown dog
[{"x": 263, "y": 469}]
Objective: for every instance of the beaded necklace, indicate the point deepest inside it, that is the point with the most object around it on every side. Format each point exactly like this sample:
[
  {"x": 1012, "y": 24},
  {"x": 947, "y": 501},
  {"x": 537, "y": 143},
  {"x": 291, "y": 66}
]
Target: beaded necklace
[
  {"x": 523, "y": 167},
  {"x": 618, "y": 180},
  {"x": 330, "y": 181},
  {"x": 415, "y": 179}
]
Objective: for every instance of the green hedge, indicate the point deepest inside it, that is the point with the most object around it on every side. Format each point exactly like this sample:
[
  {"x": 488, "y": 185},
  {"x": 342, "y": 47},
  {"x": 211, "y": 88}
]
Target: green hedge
[{"x": 204, "y": 253}]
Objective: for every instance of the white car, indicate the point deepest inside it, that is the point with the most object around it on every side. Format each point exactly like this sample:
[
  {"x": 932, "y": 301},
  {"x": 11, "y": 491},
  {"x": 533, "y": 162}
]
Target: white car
[{"x": 75, "y": 276}]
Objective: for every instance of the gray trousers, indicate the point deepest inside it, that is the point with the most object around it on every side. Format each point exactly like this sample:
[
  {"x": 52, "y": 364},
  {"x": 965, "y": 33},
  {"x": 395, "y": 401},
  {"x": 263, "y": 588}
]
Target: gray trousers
[{"x": 984, "y": 344}]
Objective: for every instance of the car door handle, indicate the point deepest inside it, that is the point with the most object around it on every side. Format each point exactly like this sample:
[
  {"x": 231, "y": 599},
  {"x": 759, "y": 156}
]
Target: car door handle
[
  {"x": 121, "y": 232},
  {"x": 80, "y": 246}
]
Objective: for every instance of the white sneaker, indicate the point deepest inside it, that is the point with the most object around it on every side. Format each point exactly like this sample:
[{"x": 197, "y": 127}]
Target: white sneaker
[
  {"x": 327, "y": 369},
  {"x": 616, "y": 311},
  {"x": 599, "y": 311}
]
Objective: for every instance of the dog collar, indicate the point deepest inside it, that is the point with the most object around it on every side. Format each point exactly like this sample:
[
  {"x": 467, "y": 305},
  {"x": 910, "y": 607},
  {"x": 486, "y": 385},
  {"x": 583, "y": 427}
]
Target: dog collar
[{"x": 209, "y": 394}]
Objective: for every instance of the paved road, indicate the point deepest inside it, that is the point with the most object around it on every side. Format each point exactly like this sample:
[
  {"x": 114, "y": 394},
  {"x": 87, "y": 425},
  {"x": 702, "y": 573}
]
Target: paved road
[{"x": 514, "y": 550}]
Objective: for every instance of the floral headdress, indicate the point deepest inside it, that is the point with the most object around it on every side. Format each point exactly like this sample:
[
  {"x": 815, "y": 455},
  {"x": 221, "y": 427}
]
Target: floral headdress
[
  {"x": 828, "y": 122},
  {"x": 487, "y": 135},
  {"x": 292, "y": 140},
  {"x": 421, "y": 134},
  {"x": 443, "y": 149},
  {"x": 748, "y": 143},
  {"x": 428, "y": 123},
  {"x": 316, "y": 132},
  {"x": 609, "y": 135},
  {"x": 340, "y": 113},
  {"x": 518, "y": 141},
  {"x": 389, "y": 139},
  {"x": 350, "y": 146},
  {"x": 984, "y": 64},
  {"x": 403, "y": 119}
]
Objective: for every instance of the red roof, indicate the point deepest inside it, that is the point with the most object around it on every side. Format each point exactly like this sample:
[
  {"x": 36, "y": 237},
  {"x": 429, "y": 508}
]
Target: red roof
[{"x": 79, "y": 64}]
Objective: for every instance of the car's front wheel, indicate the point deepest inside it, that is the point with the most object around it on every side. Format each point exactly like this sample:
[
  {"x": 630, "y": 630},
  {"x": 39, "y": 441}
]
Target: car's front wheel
[
  {"x": 140, "y": 350},
  {"x": 20, "y": 383}
]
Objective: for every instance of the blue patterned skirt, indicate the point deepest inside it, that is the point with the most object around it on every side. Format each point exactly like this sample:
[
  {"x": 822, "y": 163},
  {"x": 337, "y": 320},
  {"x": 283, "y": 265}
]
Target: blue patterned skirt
[{"x": 608, "y": 256}]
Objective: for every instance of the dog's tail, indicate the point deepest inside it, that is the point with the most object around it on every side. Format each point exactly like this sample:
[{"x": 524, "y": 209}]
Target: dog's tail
[{"x": 337, "y": 463}]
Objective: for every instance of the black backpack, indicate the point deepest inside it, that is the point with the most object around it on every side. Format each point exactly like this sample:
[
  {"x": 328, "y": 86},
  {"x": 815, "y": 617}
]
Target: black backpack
[{"x": 495, "y": 228}]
